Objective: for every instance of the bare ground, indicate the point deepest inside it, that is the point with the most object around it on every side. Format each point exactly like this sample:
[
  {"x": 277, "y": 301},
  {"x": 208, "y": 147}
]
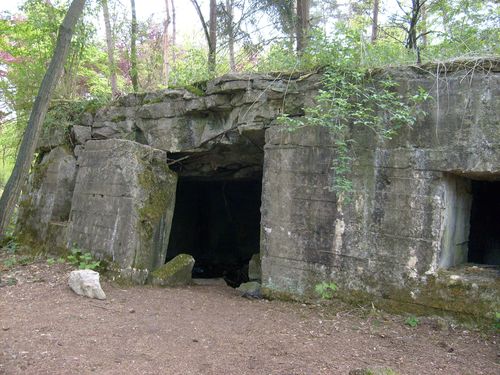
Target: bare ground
[{"x": 47, "y": 329}]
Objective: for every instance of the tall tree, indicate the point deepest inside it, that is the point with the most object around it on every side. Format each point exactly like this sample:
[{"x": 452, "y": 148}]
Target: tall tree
[
  {"x": 424, "y": 25},
  {"x": 410, "y": 20},
  {"x": 166, "y": 44},
  {"x": 213, "y": 37},
  {"x": 230, "y": 33},
  {"x": 376, "y": 8},
  {"x": 110, "y": 47},
  {"x": 174, "y": 31},
  {"x": 38, "y": 112},
  {"x": 284, "y": 12},
  {"x": 133, "y": 49},
  {"x": 210, "y": 31},
  {"x": 302, "y": 24}
]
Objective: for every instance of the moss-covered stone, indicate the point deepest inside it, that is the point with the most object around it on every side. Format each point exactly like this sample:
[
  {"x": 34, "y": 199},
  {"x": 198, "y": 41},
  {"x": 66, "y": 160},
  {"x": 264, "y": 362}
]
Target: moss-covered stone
[
  {"x": 176, "y": 272},
  {"x": 119, "y": 118},
  {"x": 194, "y": 90}
]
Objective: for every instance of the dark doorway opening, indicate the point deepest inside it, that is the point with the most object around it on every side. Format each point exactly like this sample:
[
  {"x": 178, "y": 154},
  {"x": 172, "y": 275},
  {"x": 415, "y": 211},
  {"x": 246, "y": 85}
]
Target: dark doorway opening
[
  {"x": 218, "y": 223},
  {"x": 484, "y": 237}
]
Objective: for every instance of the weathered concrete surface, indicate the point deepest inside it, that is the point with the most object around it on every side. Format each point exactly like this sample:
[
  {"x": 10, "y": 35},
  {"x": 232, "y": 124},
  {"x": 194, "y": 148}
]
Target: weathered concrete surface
[
  {"x": 408, "y": 217},
  {"x": 45, "y": 207},
  {"x": 123, "y": 204},
  {"x": 396, "y": 240},
  {"x": 254, "y": 268}
]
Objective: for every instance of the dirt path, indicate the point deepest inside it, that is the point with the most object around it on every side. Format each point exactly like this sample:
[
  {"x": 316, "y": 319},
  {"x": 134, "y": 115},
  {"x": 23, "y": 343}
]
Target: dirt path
[{"x": 47, "y": 329}]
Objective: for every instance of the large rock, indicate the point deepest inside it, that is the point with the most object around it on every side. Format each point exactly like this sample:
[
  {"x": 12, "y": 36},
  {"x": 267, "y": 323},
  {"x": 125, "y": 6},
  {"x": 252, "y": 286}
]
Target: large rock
[
  {"x": 123, "y": 204},
  {"x": 251, "y": 289},
  {"x": 86, "y": 283},
  {"x": 176, "y": 272}
]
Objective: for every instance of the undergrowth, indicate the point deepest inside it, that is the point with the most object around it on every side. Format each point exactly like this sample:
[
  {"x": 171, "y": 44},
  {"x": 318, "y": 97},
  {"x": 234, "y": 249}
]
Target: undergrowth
[{"x": 78, "y": 258}]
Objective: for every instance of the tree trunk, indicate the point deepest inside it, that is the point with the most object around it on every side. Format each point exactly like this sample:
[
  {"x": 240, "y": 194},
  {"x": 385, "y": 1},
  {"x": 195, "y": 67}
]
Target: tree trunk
[
  {"x": 206, "y": 31},
  {"x": 411, "y": 38},
  {"x": 133, "y": 49},
  {"x": 375, "y": 21},
  {"x": 174, "y": 32},
  {"x": 38, "y": 112},
  {"x": 230, "y": 32},
  {"x": 423, "y": 11},
  {"x": 302, "y": 24},
  {"x": 166, "y": 45},
  {"x": 212, "y": 47},
  {"x": 111, "y": 49}
]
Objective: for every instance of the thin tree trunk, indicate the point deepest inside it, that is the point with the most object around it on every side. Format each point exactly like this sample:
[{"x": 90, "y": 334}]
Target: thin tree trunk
[
  {"x": 133, "y": 49},
  {"x": 212, "y": 47},
  {"x": 411, "y": 37},
  {"x": 302, "y": 24},
  {"x": 38, "y": 112},
  {"x": 423, "y": 11},
  {"x": 111, "y": 49},
  {"x": 174, "y": 32},
  {"x": 205, "y": 28},
  {"x": 229, "y": 9},
  {"x": 166, "y": 45},
  {"x": 376, "y": 8}
]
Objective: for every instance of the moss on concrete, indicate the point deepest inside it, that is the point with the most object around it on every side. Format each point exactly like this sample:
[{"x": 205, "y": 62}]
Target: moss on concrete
[
  {"x": 156, "y": 182},
  {"x": 470, "y": 295},
  {"x": 176, "y": 272},
  {"x": 119, "y": 118}
]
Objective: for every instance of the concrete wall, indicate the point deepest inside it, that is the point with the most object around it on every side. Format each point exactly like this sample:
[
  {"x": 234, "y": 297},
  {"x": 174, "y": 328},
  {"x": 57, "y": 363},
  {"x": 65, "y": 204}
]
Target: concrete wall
[{"x": 408, "y": 218}]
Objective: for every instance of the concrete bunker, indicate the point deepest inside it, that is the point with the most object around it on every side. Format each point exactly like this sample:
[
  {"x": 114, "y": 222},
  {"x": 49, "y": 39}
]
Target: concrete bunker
[{"x": 188, "y": 170}]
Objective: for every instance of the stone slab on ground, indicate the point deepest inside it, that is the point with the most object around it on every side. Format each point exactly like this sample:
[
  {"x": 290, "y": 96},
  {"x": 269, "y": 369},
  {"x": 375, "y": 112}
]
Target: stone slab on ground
[{"x": 176, "y": 272}]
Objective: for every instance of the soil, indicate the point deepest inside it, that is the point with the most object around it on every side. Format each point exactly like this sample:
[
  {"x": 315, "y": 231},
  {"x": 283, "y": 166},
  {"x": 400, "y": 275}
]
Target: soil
[{"x": 47, "y": 329}]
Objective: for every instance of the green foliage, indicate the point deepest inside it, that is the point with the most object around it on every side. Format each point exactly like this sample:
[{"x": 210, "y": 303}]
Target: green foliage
[
  {"x": 81, "y": 259},
  {"x": 497, "y": 320},
  {"x": 326, "y": 290},
  {"x": 66, "y": 112},
  {"x": 190, "y": 66},
  {"x": 15, "y": 260},
  {"x": 279, "y": 58},
  {"x": 26, "y": 47},
  {"x": 412, "y": 321},
  {"x": 352, "y": 97},
  {"x": 11, "y": 247}
]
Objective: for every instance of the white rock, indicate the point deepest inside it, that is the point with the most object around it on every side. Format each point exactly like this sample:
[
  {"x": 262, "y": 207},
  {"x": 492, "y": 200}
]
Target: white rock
[{"x": 86, "y": 283}]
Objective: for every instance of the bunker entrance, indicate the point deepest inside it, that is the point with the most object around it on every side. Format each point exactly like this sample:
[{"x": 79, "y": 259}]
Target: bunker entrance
[
  {"x": 218, "y": 223},
  {"x": 484, "y": 237}
]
